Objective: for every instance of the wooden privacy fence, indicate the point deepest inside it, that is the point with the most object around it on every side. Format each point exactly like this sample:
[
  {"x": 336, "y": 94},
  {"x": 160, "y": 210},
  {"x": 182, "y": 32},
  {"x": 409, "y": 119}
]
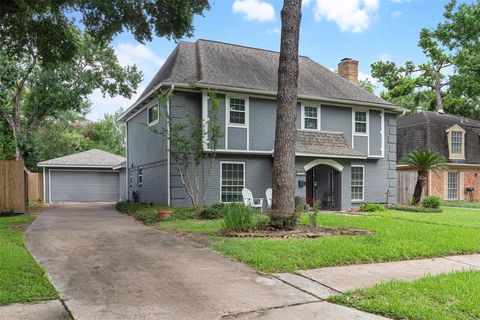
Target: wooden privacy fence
[
  {"x": 35, "y": 186},
  {"x": 13, "y": 186},
  {"x": 406, "y": 181}
]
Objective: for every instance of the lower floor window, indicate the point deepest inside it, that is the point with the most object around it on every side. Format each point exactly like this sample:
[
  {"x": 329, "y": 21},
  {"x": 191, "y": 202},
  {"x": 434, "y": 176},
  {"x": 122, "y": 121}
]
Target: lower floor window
[
  {"x": 453, "y": 185},
  {"x": 357, "y": 183},
  {"x": 232, "y": 181}
]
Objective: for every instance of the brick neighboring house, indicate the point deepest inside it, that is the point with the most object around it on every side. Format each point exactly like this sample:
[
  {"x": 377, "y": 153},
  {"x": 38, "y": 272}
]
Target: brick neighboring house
[{"x": 454, "y": 137}]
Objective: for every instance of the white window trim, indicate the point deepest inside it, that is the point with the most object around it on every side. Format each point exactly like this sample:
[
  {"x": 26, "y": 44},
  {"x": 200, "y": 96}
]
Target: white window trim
[
  {"x": 235, "y": 125},
  {"x": 302, "y": 116},
  {"x": 363, "y": 184},
  {"x": 221, "y": 175},
  {"x": 451, "y": 155},
  {"x": 140, "y": 169},
  {"x": 154, "y": 105},
  {"x": 363, "y": 134}
]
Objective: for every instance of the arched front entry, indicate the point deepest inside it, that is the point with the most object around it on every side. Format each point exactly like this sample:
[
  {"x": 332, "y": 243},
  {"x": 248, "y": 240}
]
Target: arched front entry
[{"x": 323, "y": 186}]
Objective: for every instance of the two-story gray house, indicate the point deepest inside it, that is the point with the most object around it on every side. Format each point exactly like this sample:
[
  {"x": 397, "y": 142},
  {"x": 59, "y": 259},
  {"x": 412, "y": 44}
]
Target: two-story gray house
[{"x": 346, "y": 139}]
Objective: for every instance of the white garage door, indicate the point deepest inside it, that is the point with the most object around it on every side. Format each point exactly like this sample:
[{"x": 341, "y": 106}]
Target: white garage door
[{"x": 84, "y": 186}]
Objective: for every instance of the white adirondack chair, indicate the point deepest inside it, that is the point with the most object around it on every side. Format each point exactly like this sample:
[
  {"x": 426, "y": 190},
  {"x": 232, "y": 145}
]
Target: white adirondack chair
[
  {"x": 268, "y": 196},
  {"x": 249, "y": 200}
]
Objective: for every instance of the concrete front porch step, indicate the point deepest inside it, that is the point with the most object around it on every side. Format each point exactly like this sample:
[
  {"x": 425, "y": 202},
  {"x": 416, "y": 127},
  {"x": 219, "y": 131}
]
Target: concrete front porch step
[{"x": 307, "y": 285}]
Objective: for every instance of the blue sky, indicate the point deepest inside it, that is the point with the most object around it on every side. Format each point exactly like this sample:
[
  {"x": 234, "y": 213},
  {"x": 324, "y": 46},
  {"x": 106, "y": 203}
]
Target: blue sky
[{"x": 366, "y": 30}]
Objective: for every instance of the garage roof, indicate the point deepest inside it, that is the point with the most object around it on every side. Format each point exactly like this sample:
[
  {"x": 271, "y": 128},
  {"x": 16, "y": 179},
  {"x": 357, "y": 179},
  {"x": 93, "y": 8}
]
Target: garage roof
[{"x": 91, "y": 158}]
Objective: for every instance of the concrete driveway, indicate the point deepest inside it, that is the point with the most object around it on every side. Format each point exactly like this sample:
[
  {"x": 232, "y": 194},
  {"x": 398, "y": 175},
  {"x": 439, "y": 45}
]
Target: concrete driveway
[{"x": 106, "y": 266}]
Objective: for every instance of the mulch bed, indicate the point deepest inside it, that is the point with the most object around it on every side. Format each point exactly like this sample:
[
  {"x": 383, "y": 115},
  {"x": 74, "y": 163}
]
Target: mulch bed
[{"x": 299, "y": 232}]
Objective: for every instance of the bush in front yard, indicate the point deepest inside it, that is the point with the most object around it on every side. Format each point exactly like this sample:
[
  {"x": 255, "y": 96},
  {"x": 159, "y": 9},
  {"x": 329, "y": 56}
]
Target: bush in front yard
[
  {"x": 215, "y": 211},
  {"x": 147, "y": 215},
  {"x": 432, "y": 202},
  {"x": 371, "y": 207},
  {"x": 126, "y": 206},
  {"x": 238, "y": 217}
]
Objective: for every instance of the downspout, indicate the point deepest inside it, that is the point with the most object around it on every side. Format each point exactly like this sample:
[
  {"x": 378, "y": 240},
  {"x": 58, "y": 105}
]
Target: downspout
[
  {"x": 127, "y": 175},
  {"x": 168, "y": 151}
]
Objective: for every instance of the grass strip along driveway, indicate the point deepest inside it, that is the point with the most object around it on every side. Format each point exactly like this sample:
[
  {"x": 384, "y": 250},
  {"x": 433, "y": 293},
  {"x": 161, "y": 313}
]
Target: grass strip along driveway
[
  {"x": 396, "y": 236},
  {"x": 21, "y": 279},
  {"x": 444, "y": 297}
]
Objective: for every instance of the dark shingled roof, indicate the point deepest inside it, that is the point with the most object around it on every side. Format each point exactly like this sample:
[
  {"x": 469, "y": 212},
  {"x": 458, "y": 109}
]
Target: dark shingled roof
[
  {"x": 93, "y": 157},
  {"x": 427, "y": 131},
  {"x": 324, "y": 143},
  {"x": 212, "y": 63}
]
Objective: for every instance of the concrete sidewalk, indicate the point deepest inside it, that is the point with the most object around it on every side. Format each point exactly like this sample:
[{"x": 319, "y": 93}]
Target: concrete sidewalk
[
  {"x": 325, "y": 282},
  {"x": 48, "y": 310}
]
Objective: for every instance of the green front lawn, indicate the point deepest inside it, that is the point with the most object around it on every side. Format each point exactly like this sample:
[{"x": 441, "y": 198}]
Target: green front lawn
[
  {"x": 463, "y": 204},
  {"x": 397, "y": 236},
  {"x": 21, "y": 279},
  {"x": 444, "y": 297}
]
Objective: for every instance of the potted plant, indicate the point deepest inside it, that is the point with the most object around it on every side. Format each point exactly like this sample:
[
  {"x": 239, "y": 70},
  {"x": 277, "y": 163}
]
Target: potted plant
[{"x": 164, "y": 213}]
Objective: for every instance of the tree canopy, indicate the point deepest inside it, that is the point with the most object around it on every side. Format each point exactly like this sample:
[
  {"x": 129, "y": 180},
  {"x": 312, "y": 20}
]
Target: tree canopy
[
  {"x": 449, "y": 79},
  {"x": 45, "y": 26}
]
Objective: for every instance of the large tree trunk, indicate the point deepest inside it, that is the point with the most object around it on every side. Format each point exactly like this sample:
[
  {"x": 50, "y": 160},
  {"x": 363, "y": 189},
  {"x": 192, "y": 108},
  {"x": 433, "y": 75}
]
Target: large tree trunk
[
  {"x": 283, "y": 180},
  {"x": 438, "y": 89},
  {"x": 421, "y": 181}
]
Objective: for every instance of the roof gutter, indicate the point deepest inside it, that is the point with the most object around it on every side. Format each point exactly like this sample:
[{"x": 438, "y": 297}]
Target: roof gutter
[{"x": 73, "y": 166}]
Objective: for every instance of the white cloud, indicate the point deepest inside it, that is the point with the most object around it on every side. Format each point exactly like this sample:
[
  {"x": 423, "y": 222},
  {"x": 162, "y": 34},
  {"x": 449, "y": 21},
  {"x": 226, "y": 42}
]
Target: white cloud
[
  {"x": 396, "y": 14},
  {"x": 128, "y": 54},
  {"x": 137, "y": 54},
  {"x": 274, "y": 31},
  {"x": 350, "y": 15},
  {"x": 254, "y": 10},
  {"x": 400, "y": 1},
  {"x": 385, "y": 57}
]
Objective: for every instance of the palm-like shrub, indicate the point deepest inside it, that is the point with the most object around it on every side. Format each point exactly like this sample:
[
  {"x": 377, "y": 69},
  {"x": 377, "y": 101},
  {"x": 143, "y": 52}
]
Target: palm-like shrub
[{"x": 422, "y": 160}]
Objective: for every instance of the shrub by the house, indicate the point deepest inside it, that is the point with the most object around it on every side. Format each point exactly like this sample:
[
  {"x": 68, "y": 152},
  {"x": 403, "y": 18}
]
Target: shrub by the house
[
  {"x": 238, "y": 217},
  {"x": 432, "y": 202},
  {"x": 371, "y": 207},
  {"x": 215, "y": 211}
]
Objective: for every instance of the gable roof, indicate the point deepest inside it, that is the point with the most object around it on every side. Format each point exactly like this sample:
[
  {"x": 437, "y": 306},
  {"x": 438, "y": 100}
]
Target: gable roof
[
  {"x": 324, "y": 143},
  {"x": 90, "y": 158},
  {"x": 212, "y": 64}
]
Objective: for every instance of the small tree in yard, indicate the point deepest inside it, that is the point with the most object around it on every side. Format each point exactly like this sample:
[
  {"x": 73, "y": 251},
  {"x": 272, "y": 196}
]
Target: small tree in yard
[
  {"x": 187, "y": 141},
  {"x": 422, "y": 161}
]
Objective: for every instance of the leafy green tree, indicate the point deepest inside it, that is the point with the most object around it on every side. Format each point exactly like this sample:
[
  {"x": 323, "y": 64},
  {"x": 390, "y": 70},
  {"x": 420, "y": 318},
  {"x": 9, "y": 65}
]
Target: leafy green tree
[
  {"x": 452, "y": 45},
  {"x": 107, "y": 134},
  {"x": 44, "y": 27},
  {"x": 366, "y": 85},
  {"x": 32, "y": 90},
  {"x": 422, "y": 161},
  {"x": 187, "y": 142}
]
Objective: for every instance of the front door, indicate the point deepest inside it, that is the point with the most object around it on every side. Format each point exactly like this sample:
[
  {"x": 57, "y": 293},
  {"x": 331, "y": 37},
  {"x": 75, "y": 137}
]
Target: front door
[{"x": 323, "y": 187}]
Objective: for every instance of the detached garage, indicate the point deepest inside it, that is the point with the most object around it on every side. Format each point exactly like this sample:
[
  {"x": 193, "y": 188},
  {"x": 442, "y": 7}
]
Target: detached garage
[{"x": 89, "y": 176}]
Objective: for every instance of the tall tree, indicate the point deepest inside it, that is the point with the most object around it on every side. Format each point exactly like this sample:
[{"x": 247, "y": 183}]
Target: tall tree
[
  {"x": 32, "y": 90},
  {"x": 283, "y": 175},
  {"x": 45, "y": 25}
]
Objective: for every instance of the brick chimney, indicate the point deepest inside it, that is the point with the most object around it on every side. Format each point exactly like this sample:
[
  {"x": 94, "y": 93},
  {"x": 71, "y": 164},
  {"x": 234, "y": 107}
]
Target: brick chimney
[{"x": 348, "y": 69}]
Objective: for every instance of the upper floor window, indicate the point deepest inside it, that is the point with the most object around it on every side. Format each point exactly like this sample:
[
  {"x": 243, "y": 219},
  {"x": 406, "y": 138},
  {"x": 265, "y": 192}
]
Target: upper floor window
[
  {"x": 153, "y": 114},
  {"x": 456, "y": 142},
  {"x": 360, "y": 122},
  {"x": 311, "y": 117},
  {"x": 237, "y": 111}
]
